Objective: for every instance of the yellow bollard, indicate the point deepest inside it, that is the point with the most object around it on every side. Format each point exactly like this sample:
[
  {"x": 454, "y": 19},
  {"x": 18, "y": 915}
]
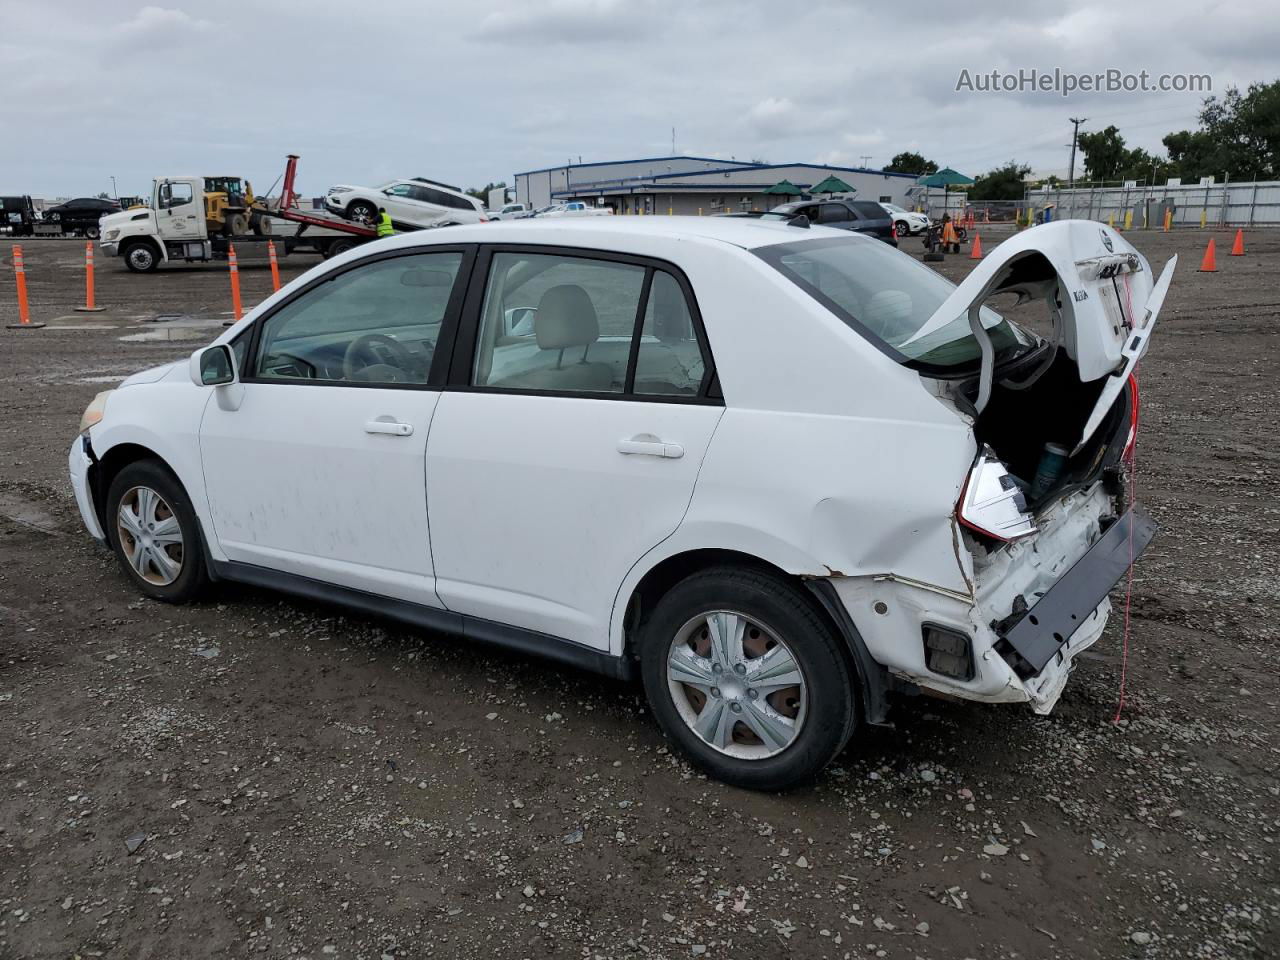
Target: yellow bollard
[
  {"x": 1168, "y": 220},
  {"x": 1204, "y": 217},
  {"x": 1111, "y": 221},
  {"x": 1128, "y": 219},
  {"x": 699, "y": 211}
]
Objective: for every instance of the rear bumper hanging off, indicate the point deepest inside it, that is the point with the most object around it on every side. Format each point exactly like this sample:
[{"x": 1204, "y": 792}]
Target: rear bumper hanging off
[{"x": 1031, "y": 643}]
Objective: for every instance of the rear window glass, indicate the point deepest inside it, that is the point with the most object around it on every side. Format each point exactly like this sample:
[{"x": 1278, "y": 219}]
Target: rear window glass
[
  {"x": 887, "y": 297},
  {"x": 872, "y": 211}
]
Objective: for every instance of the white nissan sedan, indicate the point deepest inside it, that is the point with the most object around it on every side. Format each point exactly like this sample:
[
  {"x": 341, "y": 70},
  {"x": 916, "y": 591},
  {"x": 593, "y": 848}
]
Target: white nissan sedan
[{"x": 781, "y": 473}]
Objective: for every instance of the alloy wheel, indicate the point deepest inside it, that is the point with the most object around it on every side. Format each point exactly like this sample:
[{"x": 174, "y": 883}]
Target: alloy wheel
[
  {"x": 737, "y": 685},
  {"x": 150, "y": 536}
]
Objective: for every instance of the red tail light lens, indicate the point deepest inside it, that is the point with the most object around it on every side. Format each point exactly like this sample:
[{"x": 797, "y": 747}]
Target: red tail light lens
[{"x": 1131, "y": 442}]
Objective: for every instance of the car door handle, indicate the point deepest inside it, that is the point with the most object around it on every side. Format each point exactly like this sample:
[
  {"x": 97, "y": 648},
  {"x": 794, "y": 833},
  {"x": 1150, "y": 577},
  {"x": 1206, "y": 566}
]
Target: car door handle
[
  {"x": 647, "y": 445},
  {"x": 393, "y": 428}
]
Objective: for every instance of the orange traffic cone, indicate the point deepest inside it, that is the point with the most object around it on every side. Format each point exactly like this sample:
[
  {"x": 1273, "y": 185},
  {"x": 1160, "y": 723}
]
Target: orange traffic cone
[
  {"x": 976, "y": 252},
  {"x": 1237, "y": 248},
  {"x": 1210, "y": 262}
]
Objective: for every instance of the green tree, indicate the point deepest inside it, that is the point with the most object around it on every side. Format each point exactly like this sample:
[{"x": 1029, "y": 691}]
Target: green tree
[
  {"x": 1006, "y": 182},
  {"x": 1239, "y": 135},
  {"x": 1104, "y": 153},
  {"x": 908, "y": 162},
  {"x": 482, "y": 193}
]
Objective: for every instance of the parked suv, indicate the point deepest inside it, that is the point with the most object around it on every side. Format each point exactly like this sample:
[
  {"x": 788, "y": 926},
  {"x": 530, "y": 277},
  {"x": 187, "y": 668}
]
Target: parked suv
[
  {"x": 81, "y": 214},
  {"x": 858, "y": 216},
  {"x": 777, "y": 473},
  {"x": 413, "y": 204}
]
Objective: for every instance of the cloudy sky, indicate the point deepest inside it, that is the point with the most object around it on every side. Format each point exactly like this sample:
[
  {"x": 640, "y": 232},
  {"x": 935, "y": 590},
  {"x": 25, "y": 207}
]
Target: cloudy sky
[{"x": 467, "y": 93}]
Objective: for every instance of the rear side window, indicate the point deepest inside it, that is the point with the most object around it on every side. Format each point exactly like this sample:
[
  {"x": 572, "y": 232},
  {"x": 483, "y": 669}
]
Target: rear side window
[
  {"x": 872, "y": 211},
  {"x": 834, "y": 213},
  {"x": 557, "y": 323}
]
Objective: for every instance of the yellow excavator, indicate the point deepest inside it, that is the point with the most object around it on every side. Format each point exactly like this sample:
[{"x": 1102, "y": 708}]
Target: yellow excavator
[{"x": 229, "y": 208}]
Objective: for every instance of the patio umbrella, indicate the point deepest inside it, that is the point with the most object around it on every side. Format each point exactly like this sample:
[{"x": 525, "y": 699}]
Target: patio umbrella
[
  {"x": 832, "y": 184},
  {"x": 783, "y": 188},
  {"x": 946, "y": 178}
]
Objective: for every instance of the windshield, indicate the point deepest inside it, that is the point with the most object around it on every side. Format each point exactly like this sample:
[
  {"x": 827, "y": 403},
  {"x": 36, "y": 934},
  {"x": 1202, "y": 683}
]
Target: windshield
[
  {"x": 893, "y": 208},
  {"x": 887, "y": 296}
]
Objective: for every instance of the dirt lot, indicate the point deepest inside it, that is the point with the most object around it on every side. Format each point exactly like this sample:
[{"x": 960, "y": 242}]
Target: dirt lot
[{"x": 312, "y": 784}]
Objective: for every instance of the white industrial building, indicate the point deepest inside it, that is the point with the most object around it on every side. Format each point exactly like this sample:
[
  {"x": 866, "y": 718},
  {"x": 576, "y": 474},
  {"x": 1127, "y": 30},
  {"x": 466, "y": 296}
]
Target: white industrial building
[{"x": 691, "y": 185}]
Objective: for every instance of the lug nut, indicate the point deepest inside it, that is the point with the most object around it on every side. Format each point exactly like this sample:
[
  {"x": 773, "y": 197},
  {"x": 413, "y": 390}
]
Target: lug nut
[
  {"x": 715, "y": 691},
  {"x": 739, "y": 668},
  {"x": 735, "y": 707},
  {"x": 752, "y": 693}
]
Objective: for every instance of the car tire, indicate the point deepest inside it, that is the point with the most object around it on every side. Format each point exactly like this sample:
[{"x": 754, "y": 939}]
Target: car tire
[
  {"x": 362, "y": 211},
  {"x": 92, "y": 233},
  {"x": 902, "y": 227},
  {"x": 140, "y": 257},
  {"x": 154, "y": 533},
  {"x": 744, "y": 728},
  {"x": 336, "y": 247}
]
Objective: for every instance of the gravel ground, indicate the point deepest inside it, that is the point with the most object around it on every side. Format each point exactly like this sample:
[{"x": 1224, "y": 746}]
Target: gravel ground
[{"x": 297, "y": 782}]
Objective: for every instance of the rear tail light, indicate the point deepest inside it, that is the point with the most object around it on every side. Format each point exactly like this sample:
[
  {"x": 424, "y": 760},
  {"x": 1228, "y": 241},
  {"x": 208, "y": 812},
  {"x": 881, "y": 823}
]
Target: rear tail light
[
  {"x": 992, "y": 503},
  {"x": 1131, "y": 441},
  {"x": 893, "y": 230}
]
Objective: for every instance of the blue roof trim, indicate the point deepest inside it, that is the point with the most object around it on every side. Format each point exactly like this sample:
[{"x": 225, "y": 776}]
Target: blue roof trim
[
  {"x": 649, "y": 188},
  {"x": 614, "y": 163}
]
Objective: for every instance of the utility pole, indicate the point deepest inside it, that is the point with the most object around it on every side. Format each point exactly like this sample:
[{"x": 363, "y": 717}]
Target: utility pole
[
  {"x": 865, "y": 158},
  {"x": 1075, "y": 134}
]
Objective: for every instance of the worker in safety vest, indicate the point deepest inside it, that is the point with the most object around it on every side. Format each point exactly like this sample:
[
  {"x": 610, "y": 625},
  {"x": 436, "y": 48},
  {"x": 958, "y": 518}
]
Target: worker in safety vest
[{"x": 384, "y": 223}]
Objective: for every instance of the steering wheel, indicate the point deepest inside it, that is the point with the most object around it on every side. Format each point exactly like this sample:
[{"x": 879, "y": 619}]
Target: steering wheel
[{"x": 373, "y": 356}]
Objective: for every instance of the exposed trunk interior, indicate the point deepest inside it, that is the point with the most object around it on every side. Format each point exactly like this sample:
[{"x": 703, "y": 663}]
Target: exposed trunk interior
[{"x": 1019, "y": 420}]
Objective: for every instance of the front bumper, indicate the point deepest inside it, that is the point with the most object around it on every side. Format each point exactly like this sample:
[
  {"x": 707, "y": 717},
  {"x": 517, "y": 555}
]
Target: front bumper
[
  {"x": 110, "y": 247},
  {"x": 79, "y": 464}
]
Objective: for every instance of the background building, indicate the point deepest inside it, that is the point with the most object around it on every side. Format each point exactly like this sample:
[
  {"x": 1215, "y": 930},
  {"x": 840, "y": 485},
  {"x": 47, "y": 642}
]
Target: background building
[{"x": 690, "y": 185}]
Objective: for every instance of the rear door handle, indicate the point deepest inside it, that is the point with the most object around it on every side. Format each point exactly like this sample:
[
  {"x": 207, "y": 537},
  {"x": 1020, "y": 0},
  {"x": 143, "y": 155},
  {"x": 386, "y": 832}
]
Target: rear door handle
[
  {"x": 391, "y": 427},
  {"x": 647, "y": 445}
]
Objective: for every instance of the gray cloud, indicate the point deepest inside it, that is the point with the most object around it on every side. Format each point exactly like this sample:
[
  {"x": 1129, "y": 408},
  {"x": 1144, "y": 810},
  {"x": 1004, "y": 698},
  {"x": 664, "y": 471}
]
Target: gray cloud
[{"x": 471, "y": 93}]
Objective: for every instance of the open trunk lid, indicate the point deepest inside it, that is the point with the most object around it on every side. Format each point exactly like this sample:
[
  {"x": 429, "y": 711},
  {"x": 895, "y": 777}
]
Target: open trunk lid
[{"x": 1100, "y": 293}]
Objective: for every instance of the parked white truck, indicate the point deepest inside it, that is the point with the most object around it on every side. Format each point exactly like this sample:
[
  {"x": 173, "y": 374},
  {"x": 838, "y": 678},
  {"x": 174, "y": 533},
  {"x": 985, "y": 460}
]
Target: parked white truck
[{"x": 174, "y": 228}]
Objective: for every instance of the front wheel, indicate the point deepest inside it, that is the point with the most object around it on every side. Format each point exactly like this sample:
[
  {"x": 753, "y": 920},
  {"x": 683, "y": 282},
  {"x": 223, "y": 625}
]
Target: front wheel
[
  {"x": 141, "y": 257},
  {"x": 154, "y": 533},
  {"x": 747, "y": 679},
  {"x": 903, "y": 228},
  {"x": 362, "y": 211}
]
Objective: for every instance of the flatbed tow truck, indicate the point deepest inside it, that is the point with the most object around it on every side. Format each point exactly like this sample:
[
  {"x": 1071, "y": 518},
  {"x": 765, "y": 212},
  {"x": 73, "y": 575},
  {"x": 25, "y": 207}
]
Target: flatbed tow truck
[{"x": 173, "y": 227}]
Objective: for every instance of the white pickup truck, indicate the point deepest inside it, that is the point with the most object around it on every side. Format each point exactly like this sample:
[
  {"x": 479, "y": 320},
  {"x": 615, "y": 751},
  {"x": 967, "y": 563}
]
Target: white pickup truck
[{"x": 173, "y": 228}]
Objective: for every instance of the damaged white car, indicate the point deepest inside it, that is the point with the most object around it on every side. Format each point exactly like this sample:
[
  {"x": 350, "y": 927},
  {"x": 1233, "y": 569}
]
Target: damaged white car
[{"x": 779, "y": 472}]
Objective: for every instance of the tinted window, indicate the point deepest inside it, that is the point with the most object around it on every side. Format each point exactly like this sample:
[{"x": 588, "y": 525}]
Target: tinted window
[
  {"x": 376, "y": 323},
  {"x": 557, "y": 323},
  {"x": 400, "y": 190},
  {"x": 872, "y": 211},
  {"x": 669, "y": 361},
  {"x": 834, "y": 213}
]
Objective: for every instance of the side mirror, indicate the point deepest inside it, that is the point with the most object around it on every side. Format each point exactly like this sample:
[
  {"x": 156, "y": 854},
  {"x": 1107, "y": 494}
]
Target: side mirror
[{"x": 213, "y": 366}]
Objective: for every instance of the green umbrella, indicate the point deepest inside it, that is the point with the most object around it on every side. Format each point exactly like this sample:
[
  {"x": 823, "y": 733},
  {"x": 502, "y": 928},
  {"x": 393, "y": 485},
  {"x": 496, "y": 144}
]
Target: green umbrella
[
  {"x": 784, "y": 188},
  {"x": 833, "y": 184},
  {"x": 944, "y": 178}
]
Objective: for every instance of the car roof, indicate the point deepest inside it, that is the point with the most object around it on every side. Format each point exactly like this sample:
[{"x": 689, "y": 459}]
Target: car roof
[{"x": 745, "y": 232}]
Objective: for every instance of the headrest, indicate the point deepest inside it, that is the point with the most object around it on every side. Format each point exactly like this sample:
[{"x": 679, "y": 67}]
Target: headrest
[{"x": 566, "y": 318}]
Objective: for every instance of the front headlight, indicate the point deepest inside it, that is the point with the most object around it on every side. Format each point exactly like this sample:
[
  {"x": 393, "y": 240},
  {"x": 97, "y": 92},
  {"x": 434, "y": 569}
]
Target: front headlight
[
  {"x": 111, "y": 235},
  {"x": 94, "y": 412}
]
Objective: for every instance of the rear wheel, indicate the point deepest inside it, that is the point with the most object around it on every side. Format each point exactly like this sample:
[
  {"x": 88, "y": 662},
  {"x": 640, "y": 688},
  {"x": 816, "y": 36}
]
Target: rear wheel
[
  {"x": 362, "y": 211},
  {"x": 337, "y": 247},
  {"x": 747, "y": 679},
  {"x": 92, "y": 232},
  {"x": 154, "y": 532},
  {"x": 903, "y": 228}
]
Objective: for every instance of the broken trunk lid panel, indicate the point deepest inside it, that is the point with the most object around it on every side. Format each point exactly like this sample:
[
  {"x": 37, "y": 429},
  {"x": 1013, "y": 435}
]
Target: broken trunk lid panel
[{"x": 1101, "y": 283}]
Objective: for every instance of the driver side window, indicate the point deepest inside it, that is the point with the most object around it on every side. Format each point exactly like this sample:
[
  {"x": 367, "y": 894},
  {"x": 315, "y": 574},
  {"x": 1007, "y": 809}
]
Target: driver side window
[{"x": 375, "y": 324}]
